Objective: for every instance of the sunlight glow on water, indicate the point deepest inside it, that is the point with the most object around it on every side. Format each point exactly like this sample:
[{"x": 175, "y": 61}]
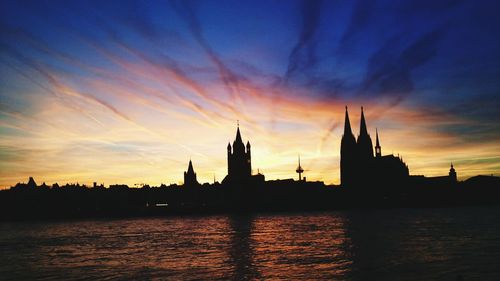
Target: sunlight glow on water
[{"x": 437, "y": 244}]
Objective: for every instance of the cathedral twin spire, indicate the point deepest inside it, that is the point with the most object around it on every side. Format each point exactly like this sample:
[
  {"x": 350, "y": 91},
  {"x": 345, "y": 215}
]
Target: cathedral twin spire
[{"x": 364, "y": 141}]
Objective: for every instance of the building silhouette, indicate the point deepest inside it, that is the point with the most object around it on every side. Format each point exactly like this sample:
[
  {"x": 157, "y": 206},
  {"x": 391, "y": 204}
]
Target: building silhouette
[
  {"x": 31, "y": 183},
  {"x": 443, "y": 181},
  {"x": 190, "y": 176},
  {"x": 359, "y": 167},
  {"x": 239, "y": 160},
  {"x": 452, "y": 174}
]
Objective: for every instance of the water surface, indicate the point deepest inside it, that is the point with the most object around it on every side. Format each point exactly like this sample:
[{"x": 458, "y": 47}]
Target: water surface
[{"x": 408, "y": 244}]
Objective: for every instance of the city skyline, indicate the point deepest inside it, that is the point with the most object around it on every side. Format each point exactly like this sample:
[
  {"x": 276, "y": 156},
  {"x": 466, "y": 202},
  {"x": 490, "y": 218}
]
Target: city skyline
[
  {"x": 363, "y": 158},
  {"x": 92, "y": 92}
]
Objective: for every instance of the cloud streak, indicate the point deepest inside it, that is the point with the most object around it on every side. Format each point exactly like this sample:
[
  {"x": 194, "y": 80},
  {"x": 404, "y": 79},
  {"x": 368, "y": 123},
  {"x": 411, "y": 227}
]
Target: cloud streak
[{"x": 136, "y": 91}]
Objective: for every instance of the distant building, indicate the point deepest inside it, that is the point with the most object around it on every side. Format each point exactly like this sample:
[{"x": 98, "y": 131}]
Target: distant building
[
  {"x": 239, "y": 160},
  {"x": 31, "y": 183},
  {"x": 441, "y": 181},
  {"x": 358, "y": 165},
  {"x": 452, "y": 174},
  {"x": 190, "y": 176},
  {"x": 22, "y": 186},
  {"x": 116, "y": 186},
  {"x": 239, "y": 164}
]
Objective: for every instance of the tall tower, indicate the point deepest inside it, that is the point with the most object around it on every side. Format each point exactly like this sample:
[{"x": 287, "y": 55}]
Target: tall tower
[
  {"x": 453, "y": 174},
  {"x": 365, "y": 146},
  {"x": 299, "y": 170},
  {"x": 238, "y": 158},
  {"x": 348, "y": 154},
  {"x": 378, "y": 149},
  {"x": 190, "y": 176}
]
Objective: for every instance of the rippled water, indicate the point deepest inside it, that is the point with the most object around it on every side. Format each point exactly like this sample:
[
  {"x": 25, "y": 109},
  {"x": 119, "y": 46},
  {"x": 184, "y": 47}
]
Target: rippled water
[{"x": 431, "y": 244}]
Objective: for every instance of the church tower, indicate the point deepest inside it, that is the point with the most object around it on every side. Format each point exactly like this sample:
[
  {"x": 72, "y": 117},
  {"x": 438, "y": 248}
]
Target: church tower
[
  {"x": 239, "y": 164},
  {"x": 453, "y": 174},
  {"x": 348, "y": 154},
  {"x": 190, "y": 176}
]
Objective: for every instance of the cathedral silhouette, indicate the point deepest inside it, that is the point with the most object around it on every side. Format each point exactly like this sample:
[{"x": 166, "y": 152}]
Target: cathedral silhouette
[{"x": 358, "y": 165}]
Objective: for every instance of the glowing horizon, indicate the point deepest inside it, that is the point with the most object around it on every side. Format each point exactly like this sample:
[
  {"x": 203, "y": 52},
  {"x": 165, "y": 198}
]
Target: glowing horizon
[{"x": 128, "y": 93}]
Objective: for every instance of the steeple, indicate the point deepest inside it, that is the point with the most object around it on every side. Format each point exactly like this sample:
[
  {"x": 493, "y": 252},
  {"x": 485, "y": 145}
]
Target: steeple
[
  {"x": 238, "y": 136},
  {"x": 190, "y": 167},
  {"x": 347, "y": 124},
  {"x": 378, "y": 149},
  {"x": 362, "y": 126},
  {"x": 190, "y": 176},
  {"x": 365, "y": 146}
]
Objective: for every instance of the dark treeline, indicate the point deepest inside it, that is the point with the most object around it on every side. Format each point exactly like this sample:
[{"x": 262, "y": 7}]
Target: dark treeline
[{"x": 26, "y": 202}]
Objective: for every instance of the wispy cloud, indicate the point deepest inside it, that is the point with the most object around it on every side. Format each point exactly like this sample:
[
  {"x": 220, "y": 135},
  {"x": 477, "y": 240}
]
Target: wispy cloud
[{"x": 133, "y": 92}]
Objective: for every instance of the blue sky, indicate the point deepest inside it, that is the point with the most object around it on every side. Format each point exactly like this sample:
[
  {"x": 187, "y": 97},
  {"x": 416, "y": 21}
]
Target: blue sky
[{"x": 112, "y": 82}]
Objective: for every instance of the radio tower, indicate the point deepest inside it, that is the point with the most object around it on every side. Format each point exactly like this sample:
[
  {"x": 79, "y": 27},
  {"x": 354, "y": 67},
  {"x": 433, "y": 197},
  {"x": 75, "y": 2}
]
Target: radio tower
[{"x": 299, "y": 170}]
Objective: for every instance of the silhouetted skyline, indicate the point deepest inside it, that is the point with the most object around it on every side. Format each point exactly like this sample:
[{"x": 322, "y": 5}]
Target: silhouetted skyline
[
  {"x": 359, "y": 166},
  {"x": 126, "y": 92}
]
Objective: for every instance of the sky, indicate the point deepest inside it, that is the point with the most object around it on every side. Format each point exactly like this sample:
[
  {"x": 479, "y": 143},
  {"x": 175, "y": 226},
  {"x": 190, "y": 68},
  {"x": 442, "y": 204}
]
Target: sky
[{"x": 129, "y": 91}]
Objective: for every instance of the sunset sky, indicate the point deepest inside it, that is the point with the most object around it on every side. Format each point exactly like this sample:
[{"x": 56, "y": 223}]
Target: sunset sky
[{"x": 128, "y": 92}]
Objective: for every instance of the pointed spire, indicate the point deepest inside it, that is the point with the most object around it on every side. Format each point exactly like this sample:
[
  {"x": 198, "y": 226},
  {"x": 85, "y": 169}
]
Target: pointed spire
[
  {"x": 378, "y": 149},
  {"x": 238, "y": 135},
  {"x": 347, "y": 124},
  {"x": 248, "y": 144},
  {"x": 362, "y": 126},
  {"x": 190, "y": 167}
]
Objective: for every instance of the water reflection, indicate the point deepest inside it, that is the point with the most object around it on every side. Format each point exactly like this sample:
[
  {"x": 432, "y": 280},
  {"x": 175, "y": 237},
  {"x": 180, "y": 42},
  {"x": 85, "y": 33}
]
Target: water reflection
[
  {"x": 299, "y": 247},
  {"x": 241, "y": 251},
  {"x": 367, "y": 245},
  {"x": 412, "y": 244}
]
